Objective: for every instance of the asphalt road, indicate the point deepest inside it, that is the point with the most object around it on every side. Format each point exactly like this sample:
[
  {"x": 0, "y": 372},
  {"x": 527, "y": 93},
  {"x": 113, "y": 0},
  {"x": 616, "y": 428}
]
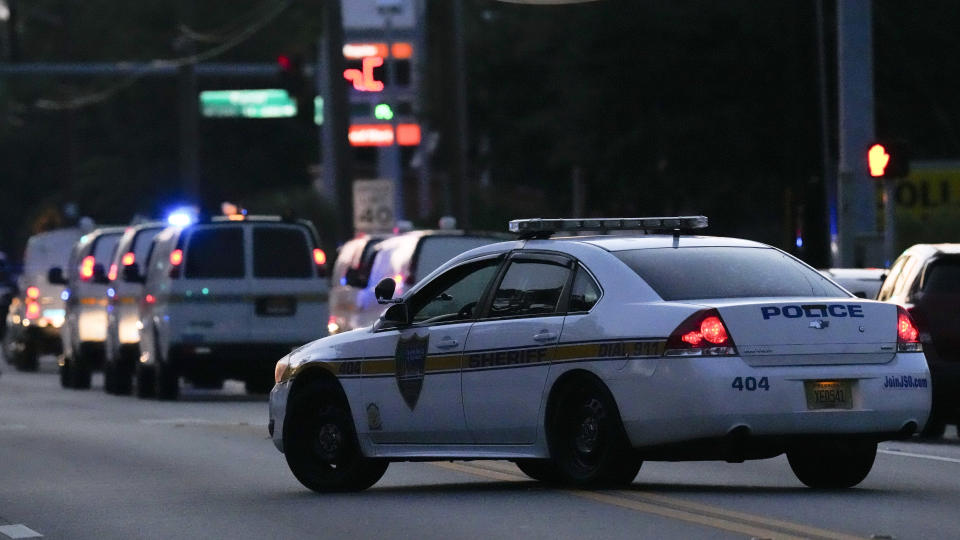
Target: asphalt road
[{"x": 83, "y": 464}]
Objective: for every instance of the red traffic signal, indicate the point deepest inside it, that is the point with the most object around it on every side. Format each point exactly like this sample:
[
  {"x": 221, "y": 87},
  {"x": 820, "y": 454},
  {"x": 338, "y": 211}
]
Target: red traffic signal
[{"x": 888, "y": 160}]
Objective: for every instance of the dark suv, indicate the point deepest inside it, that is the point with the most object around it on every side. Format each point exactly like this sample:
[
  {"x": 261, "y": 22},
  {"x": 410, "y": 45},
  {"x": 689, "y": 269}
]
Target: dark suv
[{"x": 926, "y": 280}]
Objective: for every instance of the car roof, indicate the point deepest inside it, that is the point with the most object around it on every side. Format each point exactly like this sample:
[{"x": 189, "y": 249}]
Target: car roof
[{"x": 931, "y": 250}]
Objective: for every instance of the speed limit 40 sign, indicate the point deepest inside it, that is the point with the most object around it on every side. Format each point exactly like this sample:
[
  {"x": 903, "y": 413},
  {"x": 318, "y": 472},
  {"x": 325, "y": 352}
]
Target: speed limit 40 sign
[{"x": 373, "y": 205}]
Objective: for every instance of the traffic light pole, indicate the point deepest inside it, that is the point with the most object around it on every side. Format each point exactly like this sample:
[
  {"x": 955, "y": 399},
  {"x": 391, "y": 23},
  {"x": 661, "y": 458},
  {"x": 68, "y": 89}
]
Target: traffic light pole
[
  {"x": 336, "y": 156},
  {"x": 889, "y": 220}
]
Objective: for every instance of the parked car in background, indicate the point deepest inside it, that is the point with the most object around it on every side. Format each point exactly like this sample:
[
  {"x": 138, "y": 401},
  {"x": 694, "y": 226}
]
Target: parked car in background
[
  {"x": 350, "y": 275},
  {"x": 8, "y": 288},
  {"x": 410, "y": 257},
  {"x": 34, "y": 322},
  {"x": 225, "y": 298},
  {"x": 925, "y": 279},
  {"x": 862, "y": 282},
  {"x": 84, "y": 330},
  {"x": 122, "y": 346}
]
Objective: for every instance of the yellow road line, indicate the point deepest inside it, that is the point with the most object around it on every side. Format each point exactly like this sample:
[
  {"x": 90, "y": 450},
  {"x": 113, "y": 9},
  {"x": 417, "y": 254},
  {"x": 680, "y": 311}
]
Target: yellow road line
[{"x": 691, "y": 512}]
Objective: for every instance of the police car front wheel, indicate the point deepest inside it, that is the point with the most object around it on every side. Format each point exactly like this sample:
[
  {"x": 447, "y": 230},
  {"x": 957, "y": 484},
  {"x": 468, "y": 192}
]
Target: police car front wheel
[{"x": 320, "y": 443}]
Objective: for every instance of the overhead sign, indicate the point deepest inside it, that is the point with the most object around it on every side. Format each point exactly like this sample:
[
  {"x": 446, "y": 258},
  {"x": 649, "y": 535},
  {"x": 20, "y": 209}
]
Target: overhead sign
[
  {"x": 268, "y": 103},
  {"x": 373, "y": 205}
]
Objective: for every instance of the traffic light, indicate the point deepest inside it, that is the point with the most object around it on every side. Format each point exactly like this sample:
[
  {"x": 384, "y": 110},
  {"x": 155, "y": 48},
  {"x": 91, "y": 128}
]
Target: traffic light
[
  {"x": 888, "y": 159},
  {"x": 293, "y": 78}
]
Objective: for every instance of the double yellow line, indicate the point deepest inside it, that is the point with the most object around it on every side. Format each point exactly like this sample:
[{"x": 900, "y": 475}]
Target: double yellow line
[{"x": 669, "y": 507}]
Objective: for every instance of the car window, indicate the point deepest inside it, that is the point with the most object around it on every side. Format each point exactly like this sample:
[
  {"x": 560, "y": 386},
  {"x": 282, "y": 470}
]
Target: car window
[
  {"x": 942, "y": 277},
  {"x": 433, "y": 251},
  {"x": 906, "y": 276},
  {"x": 529, "y": 288},
  {"x": 585, "y": 292},
  {"x": 214, "y": 252},
  {"x": 141, "y": 243},
  {"x": 104, "y": 246},
  {"x": 886, "y": 290},
  {"x": 281, "y": 252},
  {"x": 345, "y": 258},
  {"x": 726, "y": 272},
  {"x": 453, "y": 295}
]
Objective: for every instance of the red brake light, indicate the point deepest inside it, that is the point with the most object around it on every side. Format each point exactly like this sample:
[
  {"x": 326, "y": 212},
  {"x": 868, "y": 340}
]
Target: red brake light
[
  {"x": 701, "y": 334},
  {"x": 33, "y": 292},
  {"x": 176, "y": 257},
  {"x": 319, "y": 257},
  {"x": 86, "y": 267},
  {"x": 908, "y": 336},
  {"x": 33, "y": 309},
  {"x": 128, "y": 258},
  {"x": 150, "y": 299},
  {"x": 112, "y": 274}
]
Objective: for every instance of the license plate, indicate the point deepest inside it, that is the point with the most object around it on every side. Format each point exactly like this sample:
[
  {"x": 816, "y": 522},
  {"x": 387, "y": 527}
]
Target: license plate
[
  {"x": 276, "y": 306},
  {"x": 829, "y": 394}
]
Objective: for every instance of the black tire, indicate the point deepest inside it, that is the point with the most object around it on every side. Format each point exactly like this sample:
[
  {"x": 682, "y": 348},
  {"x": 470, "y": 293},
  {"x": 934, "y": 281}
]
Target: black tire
[
  {"x": 167, "y": 381},
  {"x": 65, "y": 377},
  {"x": 585, "y": 434},
  {"x": 79, "y": 374},
  {"x": 542, "y": 470},
  {"x": 320, "y": 443},
  {"x": 146, "y": 385},
  {"x": 833, "y": 464},
  {"x": 935, "y": 428},
  {"x": 29, "y": 358}
]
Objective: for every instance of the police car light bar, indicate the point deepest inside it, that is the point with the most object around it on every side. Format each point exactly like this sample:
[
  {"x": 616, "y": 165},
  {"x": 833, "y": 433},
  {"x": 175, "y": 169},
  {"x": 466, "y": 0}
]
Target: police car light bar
[{"x": 538, "y": 227}]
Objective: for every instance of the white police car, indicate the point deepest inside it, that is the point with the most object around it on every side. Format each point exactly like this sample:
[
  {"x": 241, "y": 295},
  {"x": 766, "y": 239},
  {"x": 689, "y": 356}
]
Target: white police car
[{"x": 579, "y": 357}]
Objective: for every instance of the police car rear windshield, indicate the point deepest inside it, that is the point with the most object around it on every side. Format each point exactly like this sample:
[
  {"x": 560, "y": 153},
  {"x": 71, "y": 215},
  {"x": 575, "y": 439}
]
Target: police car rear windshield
[{"x": 725, "y": 272}]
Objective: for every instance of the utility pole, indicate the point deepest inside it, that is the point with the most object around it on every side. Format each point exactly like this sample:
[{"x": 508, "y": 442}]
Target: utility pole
[
  {"x": 336, "y": 156},
  {"x": 859, "y": 243},
  {"x": 460, "y": 102}
]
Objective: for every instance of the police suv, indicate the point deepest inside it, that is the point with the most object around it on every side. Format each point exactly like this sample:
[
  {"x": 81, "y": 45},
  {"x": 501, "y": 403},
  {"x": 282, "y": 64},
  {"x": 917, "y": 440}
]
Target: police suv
[{"x": 578, "y": 357}]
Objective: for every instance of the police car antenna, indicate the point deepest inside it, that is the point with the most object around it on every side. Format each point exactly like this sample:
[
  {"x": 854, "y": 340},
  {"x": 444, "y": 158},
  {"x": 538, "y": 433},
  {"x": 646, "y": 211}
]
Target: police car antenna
[{"x": 539, "y": 228}]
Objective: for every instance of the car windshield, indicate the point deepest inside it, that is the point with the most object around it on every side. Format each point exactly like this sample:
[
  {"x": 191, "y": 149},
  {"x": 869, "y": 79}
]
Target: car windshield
[{"x": 726, "y": 272}]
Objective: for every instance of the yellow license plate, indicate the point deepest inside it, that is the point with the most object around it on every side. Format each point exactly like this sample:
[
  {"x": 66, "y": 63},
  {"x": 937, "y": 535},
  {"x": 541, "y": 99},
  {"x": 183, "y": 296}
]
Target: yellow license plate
[{"x": 829, "y": 394}]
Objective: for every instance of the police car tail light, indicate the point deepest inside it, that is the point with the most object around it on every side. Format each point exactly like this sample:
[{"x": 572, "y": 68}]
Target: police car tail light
[
  {"x": 33, "y": 292},
  {"x": 33, "y": 309},
  {"x": 908, "y": 337},
  {"x": 701, "y": 334},
  {"x": 86, "y": 267},
  {"x": 112, "y": 274},
  {"x": 128, "y": 258}
]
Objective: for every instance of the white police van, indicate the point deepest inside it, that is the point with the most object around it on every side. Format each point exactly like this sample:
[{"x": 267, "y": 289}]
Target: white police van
[
  {"x": 224, "y": 298},
  {"x": 84, "y": 329},
  {"x": 579, "y": 357},
  {"x": 122, "y": 347}
]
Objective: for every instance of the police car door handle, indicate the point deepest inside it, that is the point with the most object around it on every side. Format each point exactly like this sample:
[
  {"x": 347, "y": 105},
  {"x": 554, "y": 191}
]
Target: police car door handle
[
  {"x": 447, "y": 343},
  {"x": 545, "y": 336}
]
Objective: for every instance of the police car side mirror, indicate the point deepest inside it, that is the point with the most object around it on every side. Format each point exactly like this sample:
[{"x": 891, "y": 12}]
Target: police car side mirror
[
  {"x": 384, "y": 291},
  {"x": 55, "y": 276},
  {"x": 397, "y": 315},
  {"x": 99, "y": 274},
  {"x": 131, "y": 274}
]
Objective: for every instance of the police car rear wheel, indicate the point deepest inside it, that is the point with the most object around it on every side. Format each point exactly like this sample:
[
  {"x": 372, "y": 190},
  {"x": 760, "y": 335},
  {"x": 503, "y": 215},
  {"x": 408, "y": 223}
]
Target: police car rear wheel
[
  {"x": 320, "y": 444},
  {"x": 586, "y": 438},
  {"x": 833, "y": 464}
]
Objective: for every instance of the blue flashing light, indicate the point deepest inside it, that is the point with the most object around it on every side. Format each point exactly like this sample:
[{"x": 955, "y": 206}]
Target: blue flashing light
[
  {"x": 799, "y": 241},
  {"x": 111, "y": 292},
  {"x": 65, "y": 295},
  {"x": 182, "y": 217}
]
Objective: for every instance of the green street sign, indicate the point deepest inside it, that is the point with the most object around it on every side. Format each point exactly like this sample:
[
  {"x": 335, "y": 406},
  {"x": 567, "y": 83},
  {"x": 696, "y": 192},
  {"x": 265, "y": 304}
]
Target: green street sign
[
  {"x": 269, "y": 103},
  {"x": 318, "y": 110}
]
